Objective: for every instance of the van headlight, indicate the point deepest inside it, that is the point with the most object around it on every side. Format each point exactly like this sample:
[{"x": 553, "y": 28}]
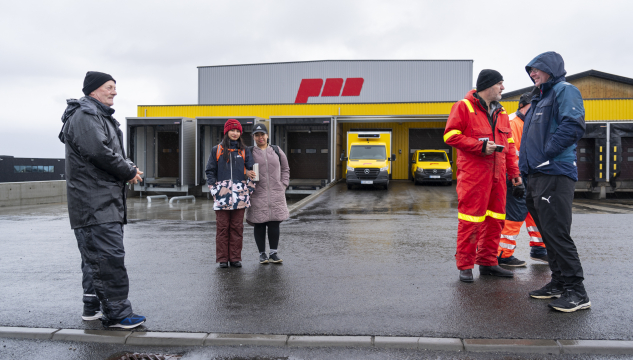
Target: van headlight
[
  {"x": 420, "y": 170},
  {"x": 349, "y": 168},
  {"x": 449, "y": 170},
  {"x": 384, "y": 168}
]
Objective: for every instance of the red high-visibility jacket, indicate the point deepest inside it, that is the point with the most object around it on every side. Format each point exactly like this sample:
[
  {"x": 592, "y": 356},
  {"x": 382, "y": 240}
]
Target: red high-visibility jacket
[{"x": 466, "y": 128}]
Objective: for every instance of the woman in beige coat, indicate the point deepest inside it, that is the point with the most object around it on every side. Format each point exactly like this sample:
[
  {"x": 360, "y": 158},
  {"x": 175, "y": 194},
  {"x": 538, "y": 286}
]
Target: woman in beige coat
[{"x": 268, "y": 201}]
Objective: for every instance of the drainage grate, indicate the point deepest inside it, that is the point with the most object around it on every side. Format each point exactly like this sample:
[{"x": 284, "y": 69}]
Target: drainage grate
[{"x": 144, "y": 356}]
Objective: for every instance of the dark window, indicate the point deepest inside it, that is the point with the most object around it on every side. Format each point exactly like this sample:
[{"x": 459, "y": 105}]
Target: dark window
[
  {"x": 582, "y": 158},
  {"x": 630, "y": 150},
  {"x": 310, "y": 151},
  {"x": 295, "y": 151},
  {"x": 324, "y": 151},
  {"x": 583, "y": 150},
  {"x": 28, "y": 169},
  {"x": 432, "y": 156},
  {"x": 630, "y": 158},
  {"x": 370, "y": 152},
  {"x": 51, "y": 169}
]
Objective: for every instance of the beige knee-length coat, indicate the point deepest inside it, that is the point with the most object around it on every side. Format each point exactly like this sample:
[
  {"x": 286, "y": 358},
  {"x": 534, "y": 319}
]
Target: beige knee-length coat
[{"x": 268, "y": 201}]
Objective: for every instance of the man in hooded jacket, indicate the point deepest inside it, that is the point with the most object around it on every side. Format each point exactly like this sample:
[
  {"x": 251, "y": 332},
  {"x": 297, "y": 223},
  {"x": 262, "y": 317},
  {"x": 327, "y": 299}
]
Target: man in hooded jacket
[
  {"x": 96, "y": 173},
  {"x": 547, "y": 160},
  {"x": 478, "y": 128}
]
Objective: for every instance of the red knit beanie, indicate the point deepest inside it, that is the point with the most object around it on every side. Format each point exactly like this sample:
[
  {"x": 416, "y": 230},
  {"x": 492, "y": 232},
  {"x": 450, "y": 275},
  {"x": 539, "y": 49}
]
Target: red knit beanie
[{"x": 231, "y": 124}]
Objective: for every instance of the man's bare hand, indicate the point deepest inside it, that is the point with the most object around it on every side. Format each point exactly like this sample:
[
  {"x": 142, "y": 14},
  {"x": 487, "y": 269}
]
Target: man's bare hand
[
  {"x": 517, "y": 181},
  {"x": 490, "y": 147},
  {"x": 250, "y": 174},
  {"x": 136, "y": 178}
]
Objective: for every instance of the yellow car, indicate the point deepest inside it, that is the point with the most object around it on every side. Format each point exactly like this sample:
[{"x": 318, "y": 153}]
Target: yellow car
[{"x": 431, "y": 166}]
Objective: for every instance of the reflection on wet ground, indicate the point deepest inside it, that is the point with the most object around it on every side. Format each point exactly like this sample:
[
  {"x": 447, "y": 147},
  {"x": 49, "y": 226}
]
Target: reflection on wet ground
[
  {"x": 139, "y": 208},
  {"x": 401, "y": 198}
]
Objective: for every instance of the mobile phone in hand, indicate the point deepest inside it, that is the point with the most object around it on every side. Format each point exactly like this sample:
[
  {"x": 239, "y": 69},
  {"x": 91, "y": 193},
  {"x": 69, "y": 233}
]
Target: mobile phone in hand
[{"x": 499, "y": 148}]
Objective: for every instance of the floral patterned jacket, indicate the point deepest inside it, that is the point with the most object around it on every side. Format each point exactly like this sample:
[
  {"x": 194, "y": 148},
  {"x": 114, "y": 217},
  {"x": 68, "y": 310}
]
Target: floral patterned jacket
[{"x": 229, "y": 195}]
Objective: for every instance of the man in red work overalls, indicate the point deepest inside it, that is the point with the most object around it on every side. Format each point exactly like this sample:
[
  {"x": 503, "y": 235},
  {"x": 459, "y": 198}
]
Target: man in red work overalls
[{"x": 478, "y": 127}]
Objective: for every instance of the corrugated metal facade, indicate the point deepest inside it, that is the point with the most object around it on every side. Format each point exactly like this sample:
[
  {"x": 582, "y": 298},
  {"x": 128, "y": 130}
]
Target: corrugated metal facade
[
  {"x": 266, "y": 111},
  {"x": 384, "y": 81},
  {"x": 595, "y": 110}
]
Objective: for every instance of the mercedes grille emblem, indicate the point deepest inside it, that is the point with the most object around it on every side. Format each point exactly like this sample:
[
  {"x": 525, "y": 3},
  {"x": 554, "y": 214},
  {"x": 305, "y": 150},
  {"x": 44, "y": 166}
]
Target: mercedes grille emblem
[
  {"x": 434, "y": 171},
  {"x": 367, "y": 171}
]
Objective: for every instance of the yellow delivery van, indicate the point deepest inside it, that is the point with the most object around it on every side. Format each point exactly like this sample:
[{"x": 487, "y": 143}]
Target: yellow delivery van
[
  {"x": 368, "y": 158},
  {"x": 431, "y": 166}
]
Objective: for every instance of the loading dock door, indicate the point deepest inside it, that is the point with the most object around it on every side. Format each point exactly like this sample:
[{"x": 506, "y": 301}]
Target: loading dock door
[
  {"x": 168, "y": 153},
  {"x": 308, "y": 155},
  {"x": 586, "y": 155},
  {"x": 427, "y": 139},
  {"x": 626, "y": 165}
]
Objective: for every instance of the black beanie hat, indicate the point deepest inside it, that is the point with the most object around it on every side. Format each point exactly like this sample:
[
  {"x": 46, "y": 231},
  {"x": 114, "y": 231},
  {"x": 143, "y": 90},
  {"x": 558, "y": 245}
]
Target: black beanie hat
[
  {"x": 487, "y": 78},
  {"x": 525, "y": 99},
  {"x": 94, "y": 80}
]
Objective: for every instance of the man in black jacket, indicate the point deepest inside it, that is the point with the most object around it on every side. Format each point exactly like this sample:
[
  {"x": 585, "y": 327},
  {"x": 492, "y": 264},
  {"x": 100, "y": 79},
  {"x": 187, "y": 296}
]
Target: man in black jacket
[{"x": 96, "y": 173}]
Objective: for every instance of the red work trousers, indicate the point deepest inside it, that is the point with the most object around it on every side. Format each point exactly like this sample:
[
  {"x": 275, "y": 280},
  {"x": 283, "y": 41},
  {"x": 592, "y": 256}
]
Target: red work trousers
[
  {"x": 229, "y": 235},
  {"x": 481, "y": 206}
]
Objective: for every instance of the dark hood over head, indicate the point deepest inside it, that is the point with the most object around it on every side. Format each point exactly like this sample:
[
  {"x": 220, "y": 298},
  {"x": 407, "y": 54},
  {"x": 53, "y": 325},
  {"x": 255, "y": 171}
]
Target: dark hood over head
[{"x": 550, "y": 62}]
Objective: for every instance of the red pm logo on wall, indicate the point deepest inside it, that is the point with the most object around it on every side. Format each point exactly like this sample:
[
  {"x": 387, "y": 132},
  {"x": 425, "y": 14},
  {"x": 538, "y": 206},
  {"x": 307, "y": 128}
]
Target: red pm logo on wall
[{"x": 312, "y": 87}]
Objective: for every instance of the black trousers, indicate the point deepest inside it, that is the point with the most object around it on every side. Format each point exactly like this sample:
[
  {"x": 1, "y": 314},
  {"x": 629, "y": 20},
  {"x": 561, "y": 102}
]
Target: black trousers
[
  {"x": 273, "y": 235},
  {"x": 549, "y": 199},
  {"x": 104, "y": 280}
]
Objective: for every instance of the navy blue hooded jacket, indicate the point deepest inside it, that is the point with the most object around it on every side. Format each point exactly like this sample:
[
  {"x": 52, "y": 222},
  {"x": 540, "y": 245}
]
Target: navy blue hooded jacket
[{"x": 554, "y": 124}]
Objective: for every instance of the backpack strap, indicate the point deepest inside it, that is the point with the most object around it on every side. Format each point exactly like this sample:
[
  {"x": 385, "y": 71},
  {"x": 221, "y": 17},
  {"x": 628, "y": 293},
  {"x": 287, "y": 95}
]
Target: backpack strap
[
  {"x": 276, "y": 149},
  {"x": 218, "y": 153}
]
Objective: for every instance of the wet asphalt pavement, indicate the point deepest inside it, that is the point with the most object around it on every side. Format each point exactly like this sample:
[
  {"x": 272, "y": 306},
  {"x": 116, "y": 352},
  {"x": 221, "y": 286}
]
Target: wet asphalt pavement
[{"x": 356, "y": 262}]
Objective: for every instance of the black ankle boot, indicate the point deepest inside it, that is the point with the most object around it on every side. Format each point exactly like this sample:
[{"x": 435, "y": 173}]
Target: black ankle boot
[
  {"x": 466, "y": 275},
  {"x": 495, "y": 271}
]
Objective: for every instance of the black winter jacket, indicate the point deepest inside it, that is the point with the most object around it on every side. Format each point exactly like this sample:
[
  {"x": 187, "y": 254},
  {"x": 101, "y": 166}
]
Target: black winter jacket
[
  {"x": 217, "y": 171},
  {"x": 96, "y": 166}
]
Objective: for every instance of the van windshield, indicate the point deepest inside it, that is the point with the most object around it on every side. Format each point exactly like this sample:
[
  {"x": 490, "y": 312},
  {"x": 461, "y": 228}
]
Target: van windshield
[
  {"x": 368, "y": 152},
  {"x": 432, "y": 156}
]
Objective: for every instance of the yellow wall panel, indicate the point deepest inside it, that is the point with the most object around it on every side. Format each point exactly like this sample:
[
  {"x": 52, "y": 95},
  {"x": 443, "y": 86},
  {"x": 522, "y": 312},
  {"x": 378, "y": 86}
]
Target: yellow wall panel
[
  {"x": 266, "y": 111},
  {"x": 595, "y": 110}
]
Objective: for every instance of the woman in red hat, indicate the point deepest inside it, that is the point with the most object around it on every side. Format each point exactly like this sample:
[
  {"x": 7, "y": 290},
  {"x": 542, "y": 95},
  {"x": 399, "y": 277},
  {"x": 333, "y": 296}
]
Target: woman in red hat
[{"x": 229, "y": 173}]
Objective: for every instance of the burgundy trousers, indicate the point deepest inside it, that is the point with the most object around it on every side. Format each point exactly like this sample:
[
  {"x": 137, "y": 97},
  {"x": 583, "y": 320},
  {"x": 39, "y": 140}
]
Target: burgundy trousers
[{"x": 229, "y": 235}]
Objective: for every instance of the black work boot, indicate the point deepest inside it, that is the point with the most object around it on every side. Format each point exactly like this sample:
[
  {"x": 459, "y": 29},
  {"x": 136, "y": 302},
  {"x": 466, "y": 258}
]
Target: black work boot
[
  {"x": 466, "y": 275},
  {"x": 495, "y": 271}
]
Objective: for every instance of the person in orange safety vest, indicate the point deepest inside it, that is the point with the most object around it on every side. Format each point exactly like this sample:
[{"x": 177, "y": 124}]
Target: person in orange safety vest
[
  {"x": 516, "y": 210},
  {"x": 478, "y": 127}
]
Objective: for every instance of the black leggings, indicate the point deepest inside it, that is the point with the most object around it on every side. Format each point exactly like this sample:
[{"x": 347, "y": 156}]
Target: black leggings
[{"x": 273, "y": 235}]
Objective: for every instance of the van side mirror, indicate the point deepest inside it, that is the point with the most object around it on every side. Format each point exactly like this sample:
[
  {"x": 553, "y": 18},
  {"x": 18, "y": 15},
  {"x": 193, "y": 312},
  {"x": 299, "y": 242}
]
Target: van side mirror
[
  {"x": 343, "y": 157},
  {"x": 393, "y": 157}
]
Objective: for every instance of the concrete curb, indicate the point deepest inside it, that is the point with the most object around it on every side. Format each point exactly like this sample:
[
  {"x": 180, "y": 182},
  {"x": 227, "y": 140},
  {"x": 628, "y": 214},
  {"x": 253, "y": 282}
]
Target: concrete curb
[
  {"x": 523, "y": 346},
  {"x": 292, "y": 209}
]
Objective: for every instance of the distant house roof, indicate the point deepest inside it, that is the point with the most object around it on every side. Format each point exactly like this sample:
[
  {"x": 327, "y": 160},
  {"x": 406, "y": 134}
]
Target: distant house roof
[{"x": 594, "y": 73}]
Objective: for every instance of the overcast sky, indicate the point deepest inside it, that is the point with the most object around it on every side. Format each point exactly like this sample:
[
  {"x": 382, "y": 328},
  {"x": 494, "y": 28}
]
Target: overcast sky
[{"x": 153, "y": 48}]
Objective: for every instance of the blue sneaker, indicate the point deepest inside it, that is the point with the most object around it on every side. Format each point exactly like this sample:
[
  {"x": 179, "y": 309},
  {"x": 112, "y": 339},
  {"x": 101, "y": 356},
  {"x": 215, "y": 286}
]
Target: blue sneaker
[{"x": 129, "y": 322}]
